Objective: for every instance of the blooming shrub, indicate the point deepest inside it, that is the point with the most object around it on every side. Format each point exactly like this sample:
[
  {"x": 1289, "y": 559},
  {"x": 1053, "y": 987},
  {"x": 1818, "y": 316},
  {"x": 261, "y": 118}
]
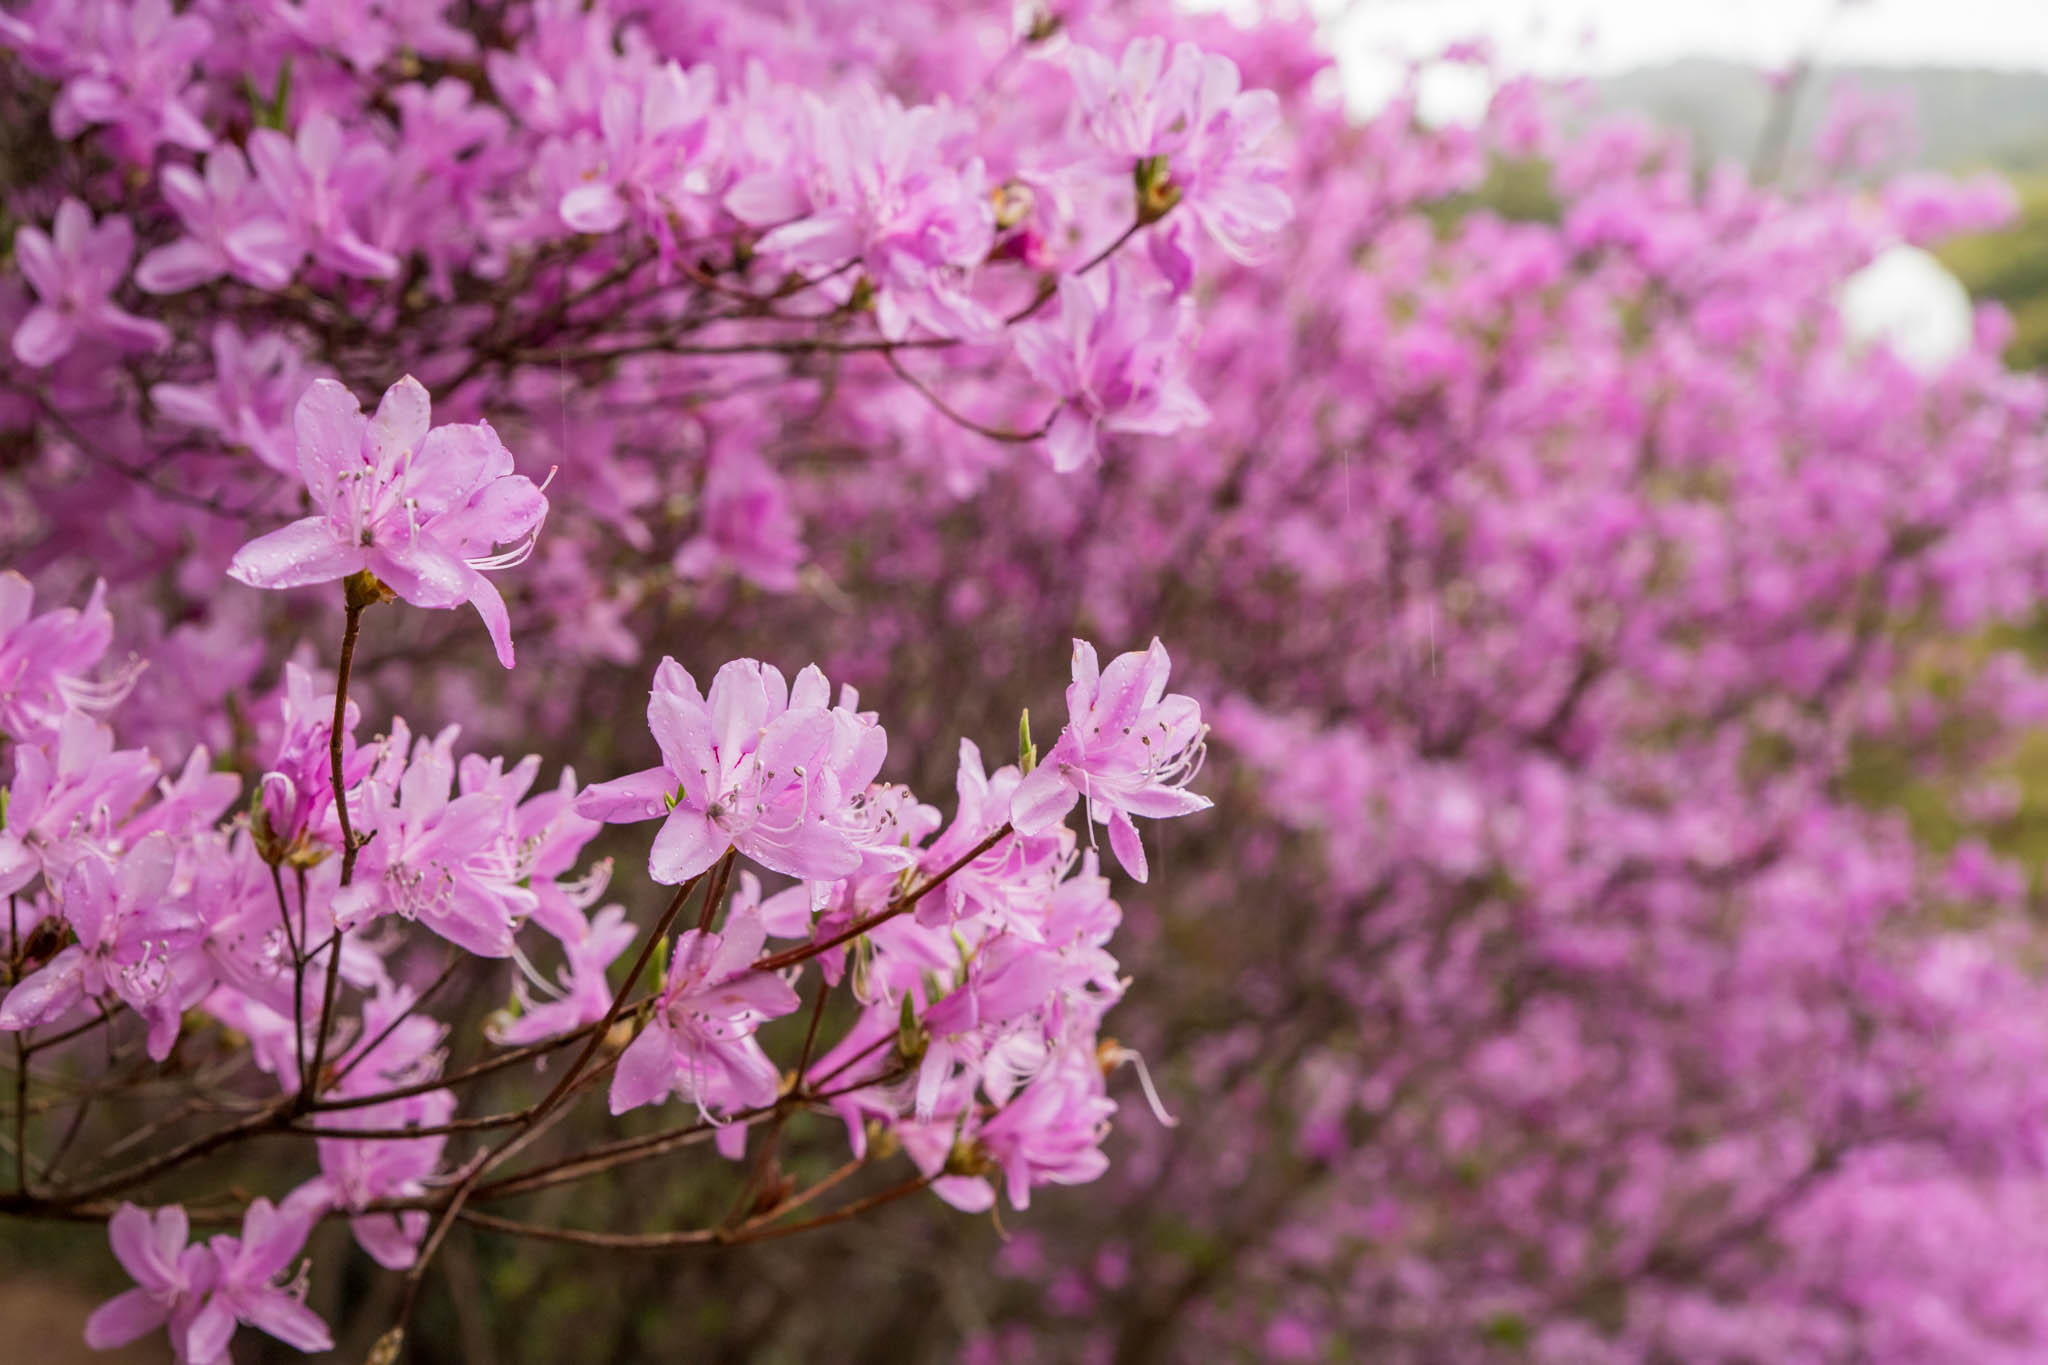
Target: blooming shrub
[
  {"x": 633, "y": 241},
  {"x": 1607, "y": 943}
]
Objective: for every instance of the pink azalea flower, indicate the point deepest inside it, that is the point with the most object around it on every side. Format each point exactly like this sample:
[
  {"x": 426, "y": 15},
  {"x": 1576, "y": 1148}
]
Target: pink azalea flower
[
  {"x": 44, "y": 659},
  {"x": 1193, "y": 112},
  {"x": 758, "y": 766},
  {"x": 654, "y": 140},
  {"x": 355, "y": 1171},
  {"x": 874, "y": 182},
  {"x": 245, "y": 1288},
  {"x": 1010, "y": 882},
  {"x": 134, "y": 943},
  {"x": 1117, "y": 357},
  {"x": 74, "y": 270},
  {"x": 445, "y": 861},
  {"x": 320, "y": 179},
  {"x": 297, "y": 790},
  {"x": 1052, "y": 1131},
  {"x": 138, "y": 59},
  {"x": 421, "y": 509},
  {"x": 170, "y": 1277},
  {"x": 231, "y": 226},
  {"x": 699, "y": 1043},
  {"x": 1128, "y": 747},
  {"x": 75, "y": 789},
  {"x": 257, "y": 382},
  {"x": 1008, "y": 983}
]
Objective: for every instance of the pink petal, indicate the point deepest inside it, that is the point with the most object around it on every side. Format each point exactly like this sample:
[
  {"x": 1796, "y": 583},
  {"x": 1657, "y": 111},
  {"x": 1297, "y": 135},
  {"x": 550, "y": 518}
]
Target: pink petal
[
  {"x": 490, "y": 604},
  {"x": 123, "y": 1319},
  {"x": 184, "y": 264},
  {"x": 640, "y": 796},
  {"x": 400, "y": 425},
  {"x": 294, "y": 556},
  {"x": 1129, "y": 849},
  {"x": 1042, "y": 800},
  {"x": 46, "y": 994},
  {"x": 593, "y": 208},
  {"x": 682, "y": 727},
  {"x": 44, "y": 337},
  {"x": 422, "y": 571},
  {"x": 645, "y": 1070},
  {"x": 328, "y": 425},
  {"x": 291, "y": 1322},
  {"x": 688, "y": 843},
  {"x": 387, "y": 1240},
  {"x": 766, "y": 198},
  {"x": 37, "y": 258},
  {"x": 210, "y": 1332}
]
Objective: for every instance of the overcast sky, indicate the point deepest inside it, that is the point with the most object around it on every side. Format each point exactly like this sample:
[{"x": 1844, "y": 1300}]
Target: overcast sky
[
  {"x": 1602, "y": 35},
  {"x": 1377, "y": 38}
]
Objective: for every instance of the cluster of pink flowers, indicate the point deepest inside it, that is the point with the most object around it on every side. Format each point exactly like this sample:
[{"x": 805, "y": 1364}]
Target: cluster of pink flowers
[
  {"x": 1612, "y": 942},
  {"x": 617, "y": 238},
  {"x": 129, "y": 893},
  {"x": 689, "y": 203}
]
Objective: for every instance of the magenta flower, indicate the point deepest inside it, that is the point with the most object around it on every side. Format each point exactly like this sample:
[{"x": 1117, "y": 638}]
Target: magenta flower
[
  {"x": 1052, "y": 1131},
  {"x": 1011, "y": 881},
  {"x": 230, "y": 227},
  {"x": 320, "y": 179},
  {"x": 699, "y": 1043},
  {"x": 169, "y": 1278},
  {"x": 75, "y": 789},
  {"x": 448, "y": 862},
  {"x": 1117, "y": 357},
  {"x": 1128, "y": 747},
  {"x": 759, "y": 766},
  {"x": 1192, "y": 113},
  {"x": 421, "y": 509},
  {"x": 138, "y": 62},
  {"x": 1008, "y": 984},
  {"x": 257, "y": 382},
  {"x": 245, "y": 1288},
  {"x": 654, "y": 137},
  {"x": 43, "y": 660},
  {"x": 297, "y": 791},
  {"x": 354, "y": 1171},
  {"x": 134, "y": 943},
  {"x": 74, "y": 270},
  {"x": 875, "y": 182}
]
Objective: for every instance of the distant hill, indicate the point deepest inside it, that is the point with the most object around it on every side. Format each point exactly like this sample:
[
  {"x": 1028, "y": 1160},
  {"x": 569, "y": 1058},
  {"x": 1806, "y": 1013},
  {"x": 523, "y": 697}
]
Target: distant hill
[{"x": 1965, "y": 119}]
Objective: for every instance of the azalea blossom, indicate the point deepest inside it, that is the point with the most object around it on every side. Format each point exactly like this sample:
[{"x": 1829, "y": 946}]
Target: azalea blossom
[
  {"x": 44, "y": 660},
  {"x": 170, "y": 1278},
  {"x": 421, "y": 508},
  {"x": 1114, "y": 353},
  {"x": 446, "y": 860},
  {"x": 132, "y": 68},
  {"x": 245, "y": 1288},
  {"x": 699, "y": 1040},
  {"x": 759, "y": 765},
  {"x": 231, "y": 226},
  {"x": 133, "y": 941},
  {"x": 75, "y": 269},
  {"x": 1194, "y": 134},
  {"x": 1129, "y": 748},
  {"x": 319, "y": 180}
]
